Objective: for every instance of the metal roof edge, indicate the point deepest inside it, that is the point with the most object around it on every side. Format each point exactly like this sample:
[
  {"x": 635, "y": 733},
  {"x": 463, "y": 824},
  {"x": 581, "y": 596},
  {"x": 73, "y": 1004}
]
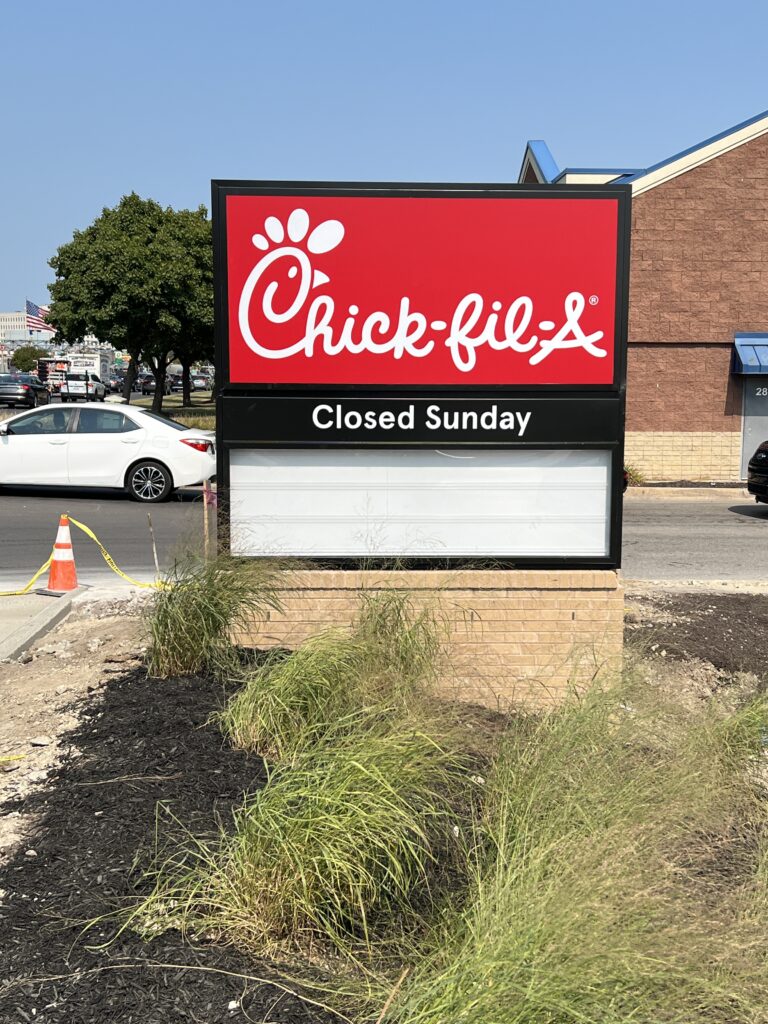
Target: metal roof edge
[
  {"x": 622, "y": 173},
  {"x": 537, "y": 153},
  {"x": 699, "y": 145}
]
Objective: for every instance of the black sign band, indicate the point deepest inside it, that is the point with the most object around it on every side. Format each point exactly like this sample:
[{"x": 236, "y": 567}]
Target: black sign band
[{"x": 509, "y": 422}]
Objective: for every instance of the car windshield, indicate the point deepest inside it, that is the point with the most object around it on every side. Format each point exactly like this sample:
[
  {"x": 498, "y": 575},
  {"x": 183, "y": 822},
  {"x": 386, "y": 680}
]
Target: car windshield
[{"x": 162, "y": 419}]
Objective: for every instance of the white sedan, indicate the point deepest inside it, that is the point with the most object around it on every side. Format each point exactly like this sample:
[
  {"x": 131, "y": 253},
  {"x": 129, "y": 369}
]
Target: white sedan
[{"x": 87, "y": 446}]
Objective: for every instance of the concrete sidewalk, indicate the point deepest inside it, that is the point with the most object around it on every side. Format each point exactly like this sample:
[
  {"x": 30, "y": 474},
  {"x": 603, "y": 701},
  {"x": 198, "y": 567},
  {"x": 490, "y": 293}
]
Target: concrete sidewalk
[{"x": 23, "y": 619}]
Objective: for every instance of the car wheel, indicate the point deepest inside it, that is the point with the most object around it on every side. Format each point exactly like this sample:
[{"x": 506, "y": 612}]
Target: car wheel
[
  {"x": 102, "y": 397},
  {"x": 149, "y": 482},
  {"x": 33, "y": 403}
]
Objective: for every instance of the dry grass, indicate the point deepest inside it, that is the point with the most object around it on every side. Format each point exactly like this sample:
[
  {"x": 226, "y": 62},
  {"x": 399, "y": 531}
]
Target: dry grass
[
  {"x": 332, "y": 856},
  {"x": 384, "y": 665},
  {"x": 201, "y": 603},
  {"x": 201, "y": 421},
  {"x": 619, "y": 873}
]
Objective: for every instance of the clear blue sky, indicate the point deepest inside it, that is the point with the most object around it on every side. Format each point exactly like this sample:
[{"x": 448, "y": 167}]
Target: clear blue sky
[{"x": 101, "y": 98}]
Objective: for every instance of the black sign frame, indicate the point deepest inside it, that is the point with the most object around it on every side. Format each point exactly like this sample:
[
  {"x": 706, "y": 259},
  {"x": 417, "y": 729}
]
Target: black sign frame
[{"x": 598, "y": 409}]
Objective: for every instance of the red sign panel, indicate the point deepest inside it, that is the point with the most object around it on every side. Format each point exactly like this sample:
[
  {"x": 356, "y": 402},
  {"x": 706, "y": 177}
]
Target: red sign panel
[{"x": 378, "y": 290}]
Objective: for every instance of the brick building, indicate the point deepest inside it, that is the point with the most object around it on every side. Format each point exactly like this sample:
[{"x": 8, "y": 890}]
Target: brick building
[{"x": 697, "y": 377}]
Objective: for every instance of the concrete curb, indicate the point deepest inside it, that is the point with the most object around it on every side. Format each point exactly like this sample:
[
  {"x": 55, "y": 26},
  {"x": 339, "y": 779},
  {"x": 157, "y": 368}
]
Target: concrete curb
[
  {"x": 690, "y": 493},
  {"x": 635, "y": 587},
  {"x": 37, "y": 625}
]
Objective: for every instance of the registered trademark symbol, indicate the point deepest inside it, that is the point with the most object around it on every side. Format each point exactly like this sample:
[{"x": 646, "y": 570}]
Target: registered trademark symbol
[{"x": 593, "y": 300}]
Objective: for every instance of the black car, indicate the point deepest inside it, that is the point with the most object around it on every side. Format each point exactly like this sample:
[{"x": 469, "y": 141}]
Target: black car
[
  {"x": 757, "y": 473},
  {"x": 116, "y": 382},
  {"x": 148, "y": 386},
  {"x": 23, "y": 389}
]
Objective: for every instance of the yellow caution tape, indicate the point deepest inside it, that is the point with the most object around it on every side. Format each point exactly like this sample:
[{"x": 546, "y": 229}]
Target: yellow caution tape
[
  {"x": 108, "y": 558},
  {"x": 32, "y": 582}
]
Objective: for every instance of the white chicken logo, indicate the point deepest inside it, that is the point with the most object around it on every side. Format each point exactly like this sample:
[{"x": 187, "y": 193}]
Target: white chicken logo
[{"x": 474, "y": 322}]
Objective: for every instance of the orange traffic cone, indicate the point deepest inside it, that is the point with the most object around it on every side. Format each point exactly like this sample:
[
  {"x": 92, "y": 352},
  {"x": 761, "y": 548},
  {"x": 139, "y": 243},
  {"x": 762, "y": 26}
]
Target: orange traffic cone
[{"x": 63, "y": 575}]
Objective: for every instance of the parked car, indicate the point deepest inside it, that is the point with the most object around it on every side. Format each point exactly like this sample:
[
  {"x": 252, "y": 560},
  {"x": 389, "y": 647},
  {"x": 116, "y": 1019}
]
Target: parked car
[
  {"x": 83, "y": 386},
  {"x": 757, "y": 474},
  {"x": 148, "y": 386},
  {"x": 23, "y": 389},
  {"x": 201, "y": 382},
  {"x": 132, "y": 449},
  {"x": 177, "y": 382}
]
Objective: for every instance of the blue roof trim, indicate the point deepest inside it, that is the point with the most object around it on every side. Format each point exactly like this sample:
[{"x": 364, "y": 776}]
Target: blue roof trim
[
  {"x": 700, "y": 145},
  {"x": 750, "y": 353},
  {"x": 538, "y": 152}
]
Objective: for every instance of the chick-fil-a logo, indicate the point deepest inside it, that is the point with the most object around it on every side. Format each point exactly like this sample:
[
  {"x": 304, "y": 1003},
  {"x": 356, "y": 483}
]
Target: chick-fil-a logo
[{"x": 472, "y": 324}]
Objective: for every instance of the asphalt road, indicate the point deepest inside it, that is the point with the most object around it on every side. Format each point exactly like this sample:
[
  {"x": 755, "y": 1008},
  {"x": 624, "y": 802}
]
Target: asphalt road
[
  {"x": 29, "y": 520},
  {"x": 714, "y": 537}
]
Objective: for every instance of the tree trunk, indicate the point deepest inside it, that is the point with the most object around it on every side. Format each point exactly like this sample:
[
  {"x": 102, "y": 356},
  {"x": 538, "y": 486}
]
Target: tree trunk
[
  {"x": 159, "y": 371},
  {"x": 130, "y": 378},
  {"x": 186, "y": 383}
]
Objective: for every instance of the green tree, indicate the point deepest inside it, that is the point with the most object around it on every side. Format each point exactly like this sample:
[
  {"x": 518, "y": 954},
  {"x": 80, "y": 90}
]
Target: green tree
[
  {"x": 195, "y": 339},
  {"x": 24, "y": 359},
  {"x": 141, "y": 277}
]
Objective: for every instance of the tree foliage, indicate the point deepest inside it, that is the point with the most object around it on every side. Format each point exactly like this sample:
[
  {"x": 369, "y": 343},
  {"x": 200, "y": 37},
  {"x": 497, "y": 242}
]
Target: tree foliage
[
  {"x": 24, "y": 359},
  {"x": 141, "y": 277}
]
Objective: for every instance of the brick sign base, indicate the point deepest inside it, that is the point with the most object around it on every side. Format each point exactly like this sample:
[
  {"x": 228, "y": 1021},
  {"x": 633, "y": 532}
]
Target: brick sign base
[{"x": 512, "y": 636}]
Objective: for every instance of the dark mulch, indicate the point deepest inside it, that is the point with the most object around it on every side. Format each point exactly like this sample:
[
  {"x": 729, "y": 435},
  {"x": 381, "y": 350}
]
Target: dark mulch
[
  {"x": 728, "y": 630},
  {"x": 95, "y": 818}
]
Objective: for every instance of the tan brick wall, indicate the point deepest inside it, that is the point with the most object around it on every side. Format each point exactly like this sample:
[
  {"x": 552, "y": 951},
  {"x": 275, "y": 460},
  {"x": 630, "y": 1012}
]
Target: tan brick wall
[
  {"x": 701, "y": 456},
  {"x": 512, "y": 635},
  {"x": 699, "y": 267}
]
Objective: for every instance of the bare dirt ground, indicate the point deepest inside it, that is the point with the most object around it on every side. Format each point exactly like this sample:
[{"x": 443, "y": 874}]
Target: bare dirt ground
[
  {"x": 43, "y": 692},
  {"x": 109, "y": 755},
  {"x": 725, "y": 629}
]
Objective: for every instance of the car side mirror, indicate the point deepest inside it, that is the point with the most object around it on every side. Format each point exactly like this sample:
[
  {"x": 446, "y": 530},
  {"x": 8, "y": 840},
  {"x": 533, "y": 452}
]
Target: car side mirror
[{"x": 4, "y": 429}]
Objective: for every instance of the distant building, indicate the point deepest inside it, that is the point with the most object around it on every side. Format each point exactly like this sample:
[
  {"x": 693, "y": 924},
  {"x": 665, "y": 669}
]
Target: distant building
[
  {"x": 14, "y": 333},
  {"x": 12, "y": 323},
  {"x": 14, "y": 330}
]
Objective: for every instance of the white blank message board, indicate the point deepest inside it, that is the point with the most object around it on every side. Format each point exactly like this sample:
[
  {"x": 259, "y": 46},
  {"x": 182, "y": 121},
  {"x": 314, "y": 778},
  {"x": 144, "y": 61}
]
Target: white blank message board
[{"x": 415, "y": 502}]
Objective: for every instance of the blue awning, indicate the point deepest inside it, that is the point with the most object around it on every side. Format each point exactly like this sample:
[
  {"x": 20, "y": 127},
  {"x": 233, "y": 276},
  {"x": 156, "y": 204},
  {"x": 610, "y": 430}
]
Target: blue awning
[{"x": 750, "y": 353}]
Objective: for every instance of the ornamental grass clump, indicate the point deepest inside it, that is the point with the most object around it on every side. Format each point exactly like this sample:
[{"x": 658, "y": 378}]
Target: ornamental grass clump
[
  {"x": 384, "y": 665},
  {"x": 337, "y": 852},
  {"x": 619, "y": 873},
  {"x": 200, "y": 606}
]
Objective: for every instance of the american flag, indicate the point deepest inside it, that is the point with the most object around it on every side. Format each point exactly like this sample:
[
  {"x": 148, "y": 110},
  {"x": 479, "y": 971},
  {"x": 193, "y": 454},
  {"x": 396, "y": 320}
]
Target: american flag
[{"x": 35, "y": 318}]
